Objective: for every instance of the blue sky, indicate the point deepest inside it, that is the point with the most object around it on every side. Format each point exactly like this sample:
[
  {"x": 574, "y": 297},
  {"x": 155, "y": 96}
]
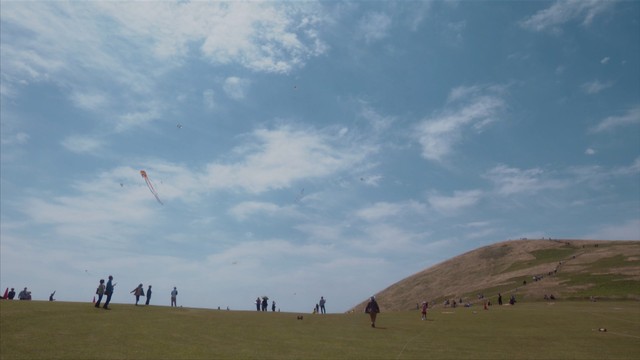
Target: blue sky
[{"x": 306, "y": 149}]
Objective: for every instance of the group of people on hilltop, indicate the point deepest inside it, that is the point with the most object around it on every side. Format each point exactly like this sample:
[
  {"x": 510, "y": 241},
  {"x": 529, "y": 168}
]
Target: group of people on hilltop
[
  {"x": 107, "y": 289},
  {"x": 320, "y": 308},
  {"x": 10, "y": 295},
  {"x": 263, "y": 304}
]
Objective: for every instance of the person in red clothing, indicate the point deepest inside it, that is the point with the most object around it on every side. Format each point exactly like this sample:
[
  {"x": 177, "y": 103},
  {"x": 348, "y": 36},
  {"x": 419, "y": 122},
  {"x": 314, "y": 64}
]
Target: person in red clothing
[{"x": 425, "y": 305}]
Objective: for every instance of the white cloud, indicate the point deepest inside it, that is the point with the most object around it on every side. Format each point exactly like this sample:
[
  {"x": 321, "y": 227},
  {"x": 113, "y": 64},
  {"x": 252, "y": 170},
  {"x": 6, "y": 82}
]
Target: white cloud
[
  {"x": 595, "y": 86},
  {"x": 563, "y": 11},
  {"x": 89, "y": 101},
  {"x": 629, "y": 230},
  {"x": 274, "y": 159},
  {"x": 209, "y": 99},
  {"x": 236, "y": 87},
  {"x": 136, "y": 119},
  {"x": 605, "y": 60},
  {"x": 468, "y": 107},
  {"x": 452, "y": 204},
  {"x": 82, "y": 144},
  {"x": 612, "y": 122},
  {"x": 246, "y": 209},
  {"x": 384, "y": 210},
  {"x": 590, "y": 151},
  {"x": 377, "y": 121},
  {"x": 510, "y": 181},
  {"x": 374, "y": 26},
  {"x": 15, "y": 139}
]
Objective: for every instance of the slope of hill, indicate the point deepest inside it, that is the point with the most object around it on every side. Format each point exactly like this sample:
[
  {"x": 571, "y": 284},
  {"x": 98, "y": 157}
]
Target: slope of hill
[{"x": 568, "y": 269}]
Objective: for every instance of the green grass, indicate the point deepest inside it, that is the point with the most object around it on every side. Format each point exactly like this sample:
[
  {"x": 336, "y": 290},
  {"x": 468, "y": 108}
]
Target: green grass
[
  {"x": 564, "y": 330},
  {"x": 544, "y": 256}
]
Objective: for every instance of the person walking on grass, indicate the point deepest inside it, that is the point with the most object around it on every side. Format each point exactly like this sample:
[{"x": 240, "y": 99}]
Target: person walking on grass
[
  {"x": 174, "y": 295},
  {"x": 372, "y": 309},
  {"x": 425, "y": 305},
  {"x": 137, "y": 292},
  {"x": 109, "y": 292},
  {"x": 100, "y": 292},
  {"x": 322, "y": 302}
]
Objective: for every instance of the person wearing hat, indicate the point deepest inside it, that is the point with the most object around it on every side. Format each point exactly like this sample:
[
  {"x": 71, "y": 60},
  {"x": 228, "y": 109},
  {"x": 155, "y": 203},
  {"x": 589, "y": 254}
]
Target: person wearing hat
[{"x": 372, "y": 309}]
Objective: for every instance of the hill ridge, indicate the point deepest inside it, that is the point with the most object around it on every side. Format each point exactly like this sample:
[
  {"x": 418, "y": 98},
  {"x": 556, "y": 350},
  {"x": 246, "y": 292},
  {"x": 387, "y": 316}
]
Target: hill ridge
[{"x": 528, "y": 268}]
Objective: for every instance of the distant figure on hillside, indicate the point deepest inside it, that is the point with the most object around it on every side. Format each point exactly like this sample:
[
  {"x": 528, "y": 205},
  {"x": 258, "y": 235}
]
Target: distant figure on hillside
[
  {"x": 148, "y": 295},
  {"x": 12, "y": 294},
  {"x": 51, "y": 296},
  {"x": 24, "y": 294},
  {"x": 174, "y": 295},
  {"x": 100, "y": 292},
  {"x": 137, "y": 292},
  {"x": 109, "y": 292},
  {"x": 265, "y": 303},
  {"x": 273, "y": 306},
  {"x": 317, "y": 309},
  {"x": 258, "y": 302},
  {"x": 372, "y": 309},
  {"x": 512, "y": 300},
  {"x": 322, "y": 302},
  {"x": 425, "y": 305},
  {"x": 499, "y": 299}
]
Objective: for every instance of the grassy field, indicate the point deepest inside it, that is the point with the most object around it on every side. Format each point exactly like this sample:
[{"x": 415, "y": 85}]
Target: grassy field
[{"x": 562, "y": 330}]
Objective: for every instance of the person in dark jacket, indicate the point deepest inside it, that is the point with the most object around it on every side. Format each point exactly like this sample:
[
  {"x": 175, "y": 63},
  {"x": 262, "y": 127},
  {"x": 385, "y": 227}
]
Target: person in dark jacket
[
  {"x": 148, "y": 295},
  {"x": 109, "y": 292},
  {"x": 372, "y": 309}
]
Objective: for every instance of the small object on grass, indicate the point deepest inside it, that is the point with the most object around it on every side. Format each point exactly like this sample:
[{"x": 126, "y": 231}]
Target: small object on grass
[{"x": 602, "y": 330}]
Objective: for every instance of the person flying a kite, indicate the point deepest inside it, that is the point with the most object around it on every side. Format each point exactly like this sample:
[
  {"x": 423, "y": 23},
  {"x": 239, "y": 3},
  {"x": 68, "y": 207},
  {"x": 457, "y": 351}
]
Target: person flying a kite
[{"x": 150, "y": 185}]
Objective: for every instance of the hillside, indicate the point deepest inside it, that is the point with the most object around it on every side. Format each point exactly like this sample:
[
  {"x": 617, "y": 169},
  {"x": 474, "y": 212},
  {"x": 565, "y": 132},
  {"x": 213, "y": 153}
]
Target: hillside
[{"x": 569, "y": 269}]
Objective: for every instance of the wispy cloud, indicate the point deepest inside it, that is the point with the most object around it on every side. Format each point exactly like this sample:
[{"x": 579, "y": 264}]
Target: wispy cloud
[
  {"x": 385, "y": 211},
  {"x": 89, "y": 101},
  {"x": 236, "y": 87},
  {"x": 82, "y": 144},
  {"x": 629, "y": 230},
  {"x": 631, "y": 117},
  {"x": 209, "y": 99},
  {"x": 563, "y": 11},
  {"x": 472, "y": 107},
  {"x": 595, "y": 86},
  {"x": 459, "y": 200},
  {"x": 246, "y": 209},
  {"x": 374, "y": 26},
  {"x": 274, "y": 159},
  {"x": 510, "y": 181}
]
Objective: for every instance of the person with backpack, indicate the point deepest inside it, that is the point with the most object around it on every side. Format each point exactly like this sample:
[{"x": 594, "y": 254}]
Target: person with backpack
[
  {"x": 100, "y": 292},
  {"x": 372, "y": 309},
  {"x": 137, "y": 292}
]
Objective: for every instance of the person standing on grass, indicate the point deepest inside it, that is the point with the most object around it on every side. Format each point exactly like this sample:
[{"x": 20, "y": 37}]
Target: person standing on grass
[
  {"x": 372, "y": 309},
  {"x": 148, "y": 295},
  {"x": 100, "y": 292},
  {"x": 499, "y": 299},
  {"x": 174, "y": 295},
  {"x": 258, "y": 302},
  {"x": 322, "y": 301},
  {"x": 137, "y": 292},
  {"x": 425, "y": 305},
  {"x": 109, "y": 292}
]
